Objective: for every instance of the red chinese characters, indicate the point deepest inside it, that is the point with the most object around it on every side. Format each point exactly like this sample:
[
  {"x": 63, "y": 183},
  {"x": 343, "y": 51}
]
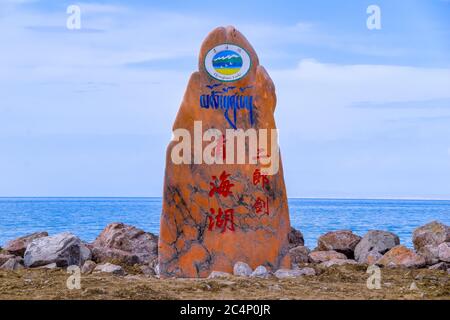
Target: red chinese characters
[
  {"x": 262, "y": 205},
  {"x": 260, "y": 178},
  {"x": 222, "y": 219},
  {"x": 221, "y": 185}
]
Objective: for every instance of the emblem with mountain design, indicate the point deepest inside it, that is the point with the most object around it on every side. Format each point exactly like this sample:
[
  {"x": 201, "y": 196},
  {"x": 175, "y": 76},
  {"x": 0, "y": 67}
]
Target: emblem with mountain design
[{"x": 227, "y": 62}]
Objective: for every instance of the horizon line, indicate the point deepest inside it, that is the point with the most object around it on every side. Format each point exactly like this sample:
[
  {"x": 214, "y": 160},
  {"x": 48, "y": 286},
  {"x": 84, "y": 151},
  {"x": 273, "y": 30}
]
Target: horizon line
[{"x": 160, "y": 197}]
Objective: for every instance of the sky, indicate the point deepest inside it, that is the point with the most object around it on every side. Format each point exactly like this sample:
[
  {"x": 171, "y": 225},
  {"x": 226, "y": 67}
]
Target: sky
[{"x": 361, "y": 113}]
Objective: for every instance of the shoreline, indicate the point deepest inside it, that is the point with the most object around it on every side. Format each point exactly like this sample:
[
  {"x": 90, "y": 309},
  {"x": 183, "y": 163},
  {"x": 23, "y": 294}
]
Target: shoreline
[{"x": 87, "y": 216}]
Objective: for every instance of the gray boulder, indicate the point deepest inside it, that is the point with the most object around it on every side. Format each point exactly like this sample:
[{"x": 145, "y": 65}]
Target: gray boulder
[
  {"x": 85, "y": 252},
  {"x": 88, "y": 267},
  {"x": 322, "y": 256},
  {"x": 372, "y": 257},
  {"x": 125, "y": 244},
  {"x": 295, "y": 238},
  {"x": 150, "y": 269},
  {"x": 5, "y": 257},
  {"x": 287, "y": 273},
  {"x": 299, "y": 254},
  {"x": 343, "y": 241},
  {"x": 307, "y": 271},
  {"x": 63, "y": 249},
  {"x": 430, "y": 253},
  {"x": 375, "y": 241},
  {"x": 433, "y": 233},
  {"x": 12, "y": 264},
  {"x": 444, "y": 251},
  {"x": 18, "y": 246}
]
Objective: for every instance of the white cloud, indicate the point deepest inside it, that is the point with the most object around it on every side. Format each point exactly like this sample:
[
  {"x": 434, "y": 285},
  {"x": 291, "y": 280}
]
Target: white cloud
[
  {"x": 62, "y": 83},
  {"x": 41, "y": 39},
  {"x": 319, "y": 97},
  {"x": 314, "y": 98}
]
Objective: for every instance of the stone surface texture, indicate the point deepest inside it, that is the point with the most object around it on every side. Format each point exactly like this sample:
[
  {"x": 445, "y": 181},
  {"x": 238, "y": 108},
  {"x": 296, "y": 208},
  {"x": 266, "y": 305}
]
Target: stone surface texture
[
  {"x": 433, "y": 233},
  {"x": 125, "y": 244},
  {"x": 372, "y": 242},
  {"x": 19, "y": 245},
  {"x": 63, "y": 249},
  {"x": 343, "y": 241},
  {"x": 400, "y": 256},
  {"x": 187, "y": 246}
]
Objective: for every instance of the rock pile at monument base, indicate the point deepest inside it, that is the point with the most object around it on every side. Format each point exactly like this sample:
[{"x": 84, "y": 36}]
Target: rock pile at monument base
[{"x": 62, "y": 250}]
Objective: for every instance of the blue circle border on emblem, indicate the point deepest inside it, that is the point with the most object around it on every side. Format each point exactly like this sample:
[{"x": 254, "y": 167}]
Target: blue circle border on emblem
[{"x": 233, "y": 44}]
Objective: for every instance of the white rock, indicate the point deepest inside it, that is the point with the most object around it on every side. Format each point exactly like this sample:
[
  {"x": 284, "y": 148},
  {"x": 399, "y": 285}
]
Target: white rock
[
  {"x": 110, "y": 268},
  {"x": 444, "y": 251},
  {"x": 219, "y": 274},
  {"x": 242, "y": 269},
  {"x": 64, "y": 249},
  {"x": 289, "y": 273},
  {"x": 260, "y": 272},
  {"x": 413, "y": 286},
  {"x": 50, "y": 266}
]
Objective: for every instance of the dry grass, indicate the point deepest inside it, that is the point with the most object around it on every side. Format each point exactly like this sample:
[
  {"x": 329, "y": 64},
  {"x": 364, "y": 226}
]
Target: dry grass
[{"x": 345, "y": 282}]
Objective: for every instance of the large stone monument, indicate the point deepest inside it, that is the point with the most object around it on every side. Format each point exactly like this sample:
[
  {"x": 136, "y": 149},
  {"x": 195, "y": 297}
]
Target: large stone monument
[{"x": 224, "y": 193}]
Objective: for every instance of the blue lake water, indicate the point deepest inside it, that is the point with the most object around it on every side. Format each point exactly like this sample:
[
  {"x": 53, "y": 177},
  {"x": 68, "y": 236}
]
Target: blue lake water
[{"x": 86, "y": 217}]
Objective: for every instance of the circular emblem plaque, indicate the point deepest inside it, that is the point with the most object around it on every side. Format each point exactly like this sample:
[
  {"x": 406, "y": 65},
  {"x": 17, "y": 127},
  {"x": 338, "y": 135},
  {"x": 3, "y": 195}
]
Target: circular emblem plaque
[{"x": 227, "y": 62}]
